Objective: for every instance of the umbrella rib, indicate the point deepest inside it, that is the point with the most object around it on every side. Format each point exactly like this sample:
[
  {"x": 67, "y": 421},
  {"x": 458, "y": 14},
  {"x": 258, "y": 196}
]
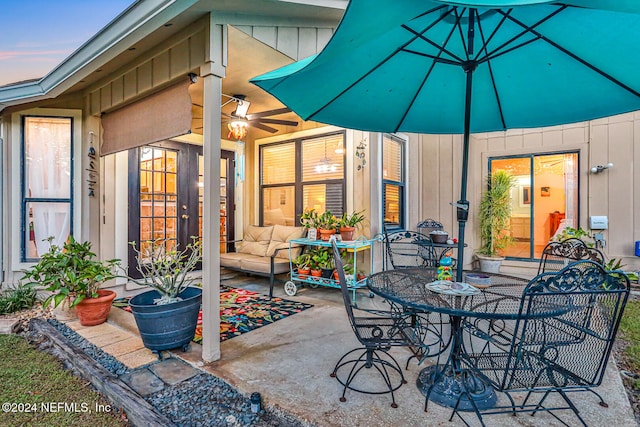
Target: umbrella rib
[
  {"x": 493, "y": 80},
  {"x": 422, "y": 37},
  {"x": 434, "y": 57},
  {"x": 577, "y": 58},
  {"x": 462, "y": 38},
  {"x": 493, "y": 33},
  {"x": 527, "y": 29},
  {"x": 426, "y": 77},
  {"x": 387, "y": 58}
]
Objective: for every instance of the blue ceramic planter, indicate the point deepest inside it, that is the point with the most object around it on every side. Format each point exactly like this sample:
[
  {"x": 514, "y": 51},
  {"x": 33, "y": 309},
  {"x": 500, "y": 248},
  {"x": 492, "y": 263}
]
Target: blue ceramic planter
[{"x": 163, "y": 327}]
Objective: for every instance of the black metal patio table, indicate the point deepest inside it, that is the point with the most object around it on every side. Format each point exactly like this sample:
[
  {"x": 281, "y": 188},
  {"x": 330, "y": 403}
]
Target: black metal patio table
[{"x": 500, "y": 300}]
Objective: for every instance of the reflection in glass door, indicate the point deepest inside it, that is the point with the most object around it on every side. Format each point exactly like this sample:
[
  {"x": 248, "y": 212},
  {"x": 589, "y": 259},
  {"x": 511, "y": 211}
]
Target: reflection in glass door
[
  {"x": 166, "y": 196},
  {"x": 544, "y": 199},
  {"x": 158, "y": 198},
  {"x": 227, "y": 205}
]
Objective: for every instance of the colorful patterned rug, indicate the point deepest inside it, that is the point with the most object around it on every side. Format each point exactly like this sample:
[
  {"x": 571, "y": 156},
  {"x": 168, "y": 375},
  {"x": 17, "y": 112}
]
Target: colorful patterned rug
[{"x": 242, "y": 311}]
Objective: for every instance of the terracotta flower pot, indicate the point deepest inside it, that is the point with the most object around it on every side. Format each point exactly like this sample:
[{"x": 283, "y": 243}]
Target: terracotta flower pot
[
  {"x": 316, "y": 273},
  {"x": 347, "y": 233},
  {"x": 325, "y": 234},
  {"x": 303, "y": 272},
  {"x": 94, "y": 311}
]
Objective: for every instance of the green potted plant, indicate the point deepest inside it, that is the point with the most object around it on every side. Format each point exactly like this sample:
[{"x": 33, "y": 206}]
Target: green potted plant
[
  {"x": 302, "y": 263},
  {"x": 73, "y": 274},
  {"x": 575, "y": 233},
  {"x": 348, "y": 224},
  {"x": 313, "y": 263},
  {"x": 323, "y": 261},
  {"x": 167, "y": 315},
  {"x": 309, "y": 218},
  {"x": 327, "y": 224},
  {"x": 494, "y": 214}
]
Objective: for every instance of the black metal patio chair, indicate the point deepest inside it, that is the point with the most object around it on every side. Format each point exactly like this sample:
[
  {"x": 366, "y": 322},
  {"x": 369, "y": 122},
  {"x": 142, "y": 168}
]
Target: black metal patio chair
[
  {"x": 377, "y": 334},
  {"x": 410, "y": 249},
  {"x": 557, "y": 255},
  {"x": 562, "y": 341}
]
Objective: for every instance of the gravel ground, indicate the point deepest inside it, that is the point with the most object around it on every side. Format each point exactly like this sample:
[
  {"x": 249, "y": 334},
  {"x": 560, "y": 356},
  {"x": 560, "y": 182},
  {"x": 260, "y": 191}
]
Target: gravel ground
[{"x": 203, "y": 400}]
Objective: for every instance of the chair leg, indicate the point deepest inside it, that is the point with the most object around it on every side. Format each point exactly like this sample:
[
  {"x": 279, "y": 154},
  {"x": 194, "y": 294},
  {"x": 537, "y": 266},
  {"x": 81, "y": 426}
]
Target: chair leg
[{"x": 383, "y": 363}]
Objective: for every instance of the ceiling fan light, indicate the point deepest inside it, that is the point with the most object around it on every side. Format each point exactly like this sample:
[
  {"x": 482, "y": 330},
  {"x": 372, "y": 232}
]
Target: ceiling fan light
[{"x": 238, "y": 129}]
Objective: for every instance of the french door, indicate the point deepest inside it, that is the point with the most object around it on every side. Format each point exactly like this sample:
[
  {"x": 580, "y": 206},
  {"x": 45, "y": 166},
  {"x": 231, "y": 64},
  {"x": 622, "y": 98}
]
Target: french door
[{"x": 166, "y": 196}]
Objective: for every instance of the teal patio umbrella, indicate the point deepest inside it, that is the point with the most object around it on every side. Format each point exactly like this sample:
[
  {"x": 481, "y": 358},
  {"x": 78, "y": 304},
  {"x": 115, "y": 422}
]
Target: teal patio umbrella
[{"x": 447, "y": 67}]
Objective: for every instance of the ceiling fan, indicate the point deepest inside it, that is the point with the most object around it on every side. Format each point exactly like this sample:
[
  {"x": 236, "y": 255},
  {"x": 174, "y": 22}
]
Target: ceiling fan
[{"x": 239, "y": 120}]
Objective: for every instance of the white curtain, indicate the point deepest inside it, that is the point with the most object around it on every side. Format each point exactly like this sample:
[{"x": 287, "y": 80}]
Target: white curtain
[
  {"x": 48, "y": 174},
  {"x": 570, "y": 190}
]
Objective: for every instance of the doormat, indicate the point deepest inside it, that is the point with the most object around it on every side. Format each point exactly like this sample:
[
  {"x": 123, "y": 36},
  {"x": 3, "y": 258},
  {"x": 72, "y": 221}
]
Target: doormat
[{"x": 241, "y": 311}]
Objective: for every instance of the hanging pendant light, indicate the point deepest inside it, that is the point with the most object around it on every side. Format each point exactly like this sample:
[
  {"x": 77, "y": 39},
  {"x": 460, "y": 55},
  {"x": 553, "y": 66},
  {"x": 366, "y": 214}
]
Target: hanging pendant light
[{"x": 325, "y": 165}]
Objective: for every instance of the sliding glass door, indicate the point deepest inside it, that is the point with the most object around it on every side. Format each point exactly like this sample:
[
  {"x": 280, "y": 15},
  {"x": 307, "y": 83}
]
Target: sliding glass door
[{"x": 544, "y": 199}]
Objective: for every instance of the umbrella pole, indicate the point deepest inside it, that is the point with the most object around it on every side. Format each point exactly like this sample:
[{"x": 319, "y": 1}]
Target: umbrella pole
[{"x": 463, "y": 204}]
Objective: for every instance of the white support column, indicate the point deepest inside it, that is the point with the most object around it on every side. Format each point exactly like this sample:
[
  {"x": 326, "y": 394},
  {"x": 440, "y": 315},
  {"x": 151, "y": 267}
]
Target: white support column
[
  {"x": 213, "y": 72},
  {"x": 374, "y": 169}
]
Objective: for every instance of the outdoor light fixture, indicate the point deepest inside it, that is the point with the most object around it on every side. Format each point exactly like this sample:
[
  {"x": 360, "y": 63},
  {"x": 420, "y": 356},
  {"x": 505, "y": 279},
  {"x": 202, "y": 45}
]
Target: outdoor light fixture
[
  {"x": 238, "y": 129},
  {"x": 360, "y": 154},
  {"x": 601, "y": 168}
]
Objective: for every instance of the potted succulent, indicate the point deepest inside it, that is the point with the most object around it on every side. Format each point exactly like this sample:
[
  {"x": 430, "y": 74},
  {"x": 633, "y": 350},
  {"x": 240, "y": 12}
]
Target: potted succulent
[
  {"x": 302, "y": 263},
  {"x": 327, "y": 224},
  {"x": 167, "y": 315},
  {"x": 315, "y": 258},
  {"x": 348, "y": 224},
  {"x": 494, "y": 214},
  {"x": 309, "y": 220},
  {"x": 73, "y": 275}
]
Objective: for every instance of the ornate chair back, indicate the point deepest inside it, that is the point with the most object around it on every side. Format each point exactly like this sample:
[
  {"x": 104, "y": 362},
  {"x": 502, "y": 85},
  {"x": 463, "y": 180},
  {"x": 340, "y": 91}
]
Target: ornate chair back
[
  {"x": 428, "y": 225},
  {"x": 557, "y": 255},
  {"x": 569, "y": 319},
  {"x": 406, "y": 249}
]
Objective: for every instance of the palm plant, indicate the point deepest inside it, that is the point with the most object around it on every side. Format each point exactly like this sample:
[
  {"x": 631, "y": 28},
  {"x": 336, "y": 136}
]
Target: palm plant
[{"x": 495, "y": 212}]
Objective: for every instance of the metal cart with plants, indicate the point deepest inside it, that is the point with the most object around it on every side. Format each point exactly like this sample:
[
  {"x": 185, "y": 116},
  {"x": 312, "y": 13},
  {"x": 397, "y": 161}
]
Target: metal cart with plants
[{"x": 314, "y": 266}]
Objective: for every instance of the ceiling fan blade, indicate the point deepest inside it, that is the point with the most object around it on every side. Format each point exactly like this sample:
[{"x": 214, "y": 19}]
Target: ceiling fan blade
[
  {"x": 276, "y": 122},
  {"x": 267, "y": 113},
  {"x": 263, "y": 127}
]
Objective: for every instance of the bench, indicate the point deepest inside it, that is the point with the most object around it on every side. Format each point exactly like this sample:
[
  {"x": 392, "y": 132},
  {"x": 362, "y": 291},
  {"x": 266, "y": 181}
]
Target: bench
[{"x": 263, "y": 251}]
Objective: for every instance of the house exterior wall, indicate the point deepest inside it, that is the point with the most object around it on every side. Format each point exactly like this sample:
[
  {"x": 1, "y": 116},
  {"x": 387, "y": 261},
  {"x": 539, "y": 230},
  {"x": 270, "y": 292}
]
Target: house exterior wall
[{"x": 612, "y": 193}]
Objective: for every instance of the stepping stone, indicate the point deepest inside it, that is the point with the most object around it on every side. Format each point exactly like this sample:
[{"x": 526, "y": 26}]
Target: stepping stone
[
  {"x": 173, "y": 371},
  {"x": 8, "y": 325},
  {"x": 144, "y": 382}
]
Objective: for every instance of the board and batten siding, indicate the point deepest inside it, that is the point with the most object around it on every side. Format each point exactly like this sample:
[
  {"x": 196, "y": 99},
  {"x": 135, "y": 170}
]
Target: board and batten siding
[
  {"x": 295, "y": 42},
  {"x": 613, "y": 193},
  {"x": 171, "y": 59}
]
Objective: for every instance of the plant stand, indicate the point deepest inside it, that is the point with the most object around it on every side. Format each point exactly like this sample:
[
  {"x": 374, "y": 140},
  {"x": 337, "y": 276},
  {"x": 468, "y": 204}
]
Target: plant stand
[{"x": 291, "y": 286}]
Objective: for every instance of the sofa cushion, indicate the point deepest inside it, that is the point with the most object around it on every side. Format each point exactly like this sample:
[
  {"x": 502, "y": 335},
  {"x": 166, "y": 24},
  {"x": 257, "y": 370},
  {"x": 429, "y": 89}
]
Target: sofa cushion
[
  {"x": 231, "y": 259},
  {"x": 280, "y": 238},
  {"x": 263, "y": 264},
  {"x": 255, "y": 241}
]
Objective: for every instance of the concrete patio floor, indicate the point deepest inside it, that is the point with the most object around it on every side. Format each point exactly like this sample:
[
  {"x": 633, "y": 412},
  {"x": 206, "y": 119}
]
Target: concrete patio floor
[{"x": 289, "y": 363}]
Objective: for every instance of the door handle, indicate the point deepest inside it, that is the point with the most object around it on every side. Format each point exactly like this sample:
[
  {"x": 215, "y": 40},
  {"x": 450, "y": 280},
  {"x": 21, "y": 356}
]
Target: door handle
[{"x": 185, "y": 216}]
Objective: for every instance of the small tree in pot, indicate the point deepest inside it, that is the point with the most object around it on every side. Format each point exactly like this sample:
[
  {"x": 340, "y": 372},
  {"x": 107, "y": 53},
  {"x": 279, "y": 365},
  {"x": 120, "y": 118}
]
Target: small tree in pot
[
  {"x": 494, "y": 214},
  {"x": 72, "y": 274},
  {"x": 167, "y": 316}
]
